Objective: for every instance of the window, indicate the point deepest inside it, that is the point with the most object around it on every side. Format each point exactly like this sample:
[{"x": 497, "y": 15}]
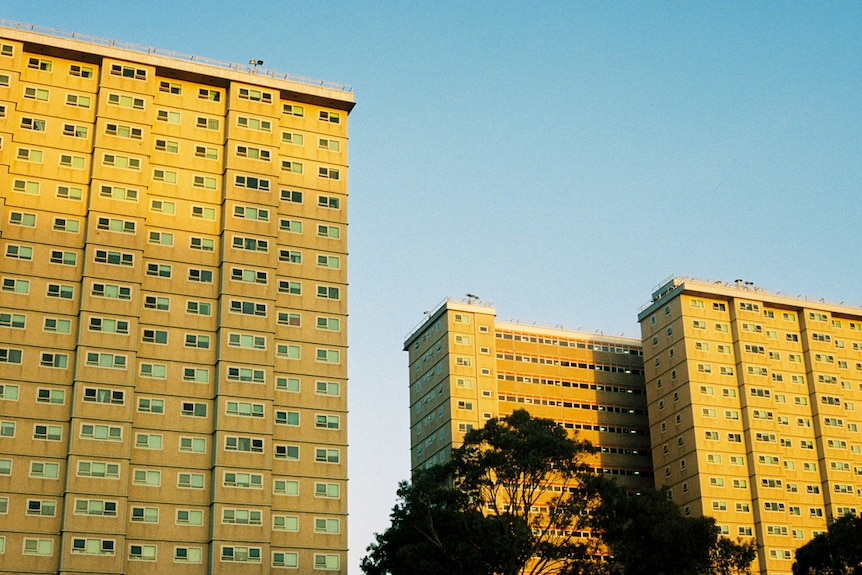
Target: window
[
  {"x": 332, "y": 232},
  {"x": 30, "y": 93},
  {"x": 187, "y": 555},
  {"x": 193, "y": 444},
  {"x": 327, "y": 421},
  {"x": 128, "y": 72},
  {"x": 7, "y": 429},
  {"x": 243, "y": 480},
  {"x": 111, "y": 291},
  {"x": 170, "y": 88},
  {"x": 328, "y": 323},
  {"x": 326, "y": 455},
  {"x": 203, "y": 244},
  {"x": 244, "y": 408},
  {"x": 13, "y": 320},
  {"x": 48, "y": 432},
  {"x": 324, "y": 355},
  {"x": 249, "y": 444},
  {"x": 292, "y": 196},
  {"x": 250, "y": 244},
  {"x": 190, "y": 517},
  {"x": 114, "y": 258},
  {"x": 254, "y": 124},
  {"x": 80, "y": 101},
  {"x": 253, "y": 153},
  {"x": 325, "y": 525},
  {"x": 241, "y": 516},
  {"x": 145, "y": 514},
  {"x": 33, "y": 124},
  {"x": 330, "y": 202},
  {"x": 285, "y": 523},
  {"x": 255, "y": 95},
  {"x": 207, "y": 123},
  {"x": 158, "y": 336},
  {"x": 328, "y": 292},
  {"x": 290, "y": 256},
  {"x": 203, "y": 212},
  {"x": 63, "y": 258},
  {"x": 331, "y": 262},
  {"x": 287, "y": 417},
  {"x": 292, "y": 138},
  {"x": 17, "y": 252},
  {"x": 206, "y": 182},
  {"x": 250, "y": 213},
  {"x": 152, "y": 478},
  {"x": 122, "y": 131},
  {"x": 329, "y": 490},
  {"x": 246, "y": 341},
  {"x": 329, "y": 144},
  {"x": 121, "y": 100},
  {"x": 10, "y": 355},
  {"x": 240, "y": 554},
  {"x": 289, "y": 287},
  {"x": 151, "y": 405},
  {"x": 15, "y": 285},
  {"x": 40, "y": 64},
  {"x": 101, "y": 432},
  {"x": 44, "y": 470},
  {"x": 196, "y": 375},
  {"x": 202, "y": 276},
  {"x": 190, "y": 480},
  {"x": 290, "y": 319},
  {"x": 288, "y": 452},
  {"x": 119, "y": 193},
  {"x": 25, "y": 187},
  {"x": 58, "y": 360},
  {"x": 104, "y": 395},
  {"x": 96, "y": 507},
  {"x": 289, "y": 384},
  {"x": 198, "y": 308},
  {"x": 199, "y": 341},
  {"x": 60, "y": 291},
  {"x": 327, "y": 561},
  {"x": 194, "y": 409},
  {"x": 328, "y": 173},
  {"x": 207, "y": 152},
  {"x": 9, "y": 392},
  {"x": 66, "y": 225},
  {"x": 43, "y": 547},
  {"x": 251, "y": 183},
  {"x": 142, "y": 552},
  {"x": 209, "y": 94},
  {"x": 169, "y": 146},
  {"x": 293, "y": 110},
  {"x": 167, "y": 176},
  {"x": 75, "y": 131}
]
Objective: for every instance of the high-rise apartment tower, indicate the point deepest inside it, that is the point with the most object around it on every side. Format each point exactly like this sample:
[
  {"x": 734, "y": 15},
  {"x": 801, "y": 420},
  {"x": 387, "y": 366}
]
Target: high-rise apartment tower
[
  {"x": 173, "y": 322},
  {"x": 753, "y": 410},
  {"x": 466, "y": 367}
]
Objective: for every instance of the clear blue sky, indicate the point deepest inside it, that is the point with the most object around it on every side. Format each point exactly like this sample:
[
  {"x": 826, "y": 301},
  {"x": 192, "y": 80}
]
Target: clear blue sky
[{"x": 557, "y": 158}]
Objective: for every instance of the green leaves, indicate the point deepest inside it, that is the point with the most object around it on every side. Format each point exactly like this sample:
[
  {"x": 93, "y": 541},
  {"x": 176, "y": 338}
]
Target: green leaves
[{"x": 836, "y": 552}]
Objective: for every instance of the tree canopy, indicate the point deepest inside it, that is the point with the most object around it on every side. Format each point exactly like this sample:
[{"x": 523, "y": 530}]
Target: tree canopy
[
  {"x": 515, "y": 498},
  {"x": 836, "y": 552},
  {"x": 648, "y": 535}
]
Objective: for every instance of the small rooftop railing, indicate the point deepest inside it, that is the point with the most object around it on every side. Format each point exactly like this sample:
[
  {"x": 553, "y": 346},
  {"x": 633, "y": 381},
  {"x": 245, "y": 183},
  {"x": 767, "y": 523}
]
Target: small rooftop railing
[
  {"x": 741, "y": 285},
  {"x": 248, "y": 68}
]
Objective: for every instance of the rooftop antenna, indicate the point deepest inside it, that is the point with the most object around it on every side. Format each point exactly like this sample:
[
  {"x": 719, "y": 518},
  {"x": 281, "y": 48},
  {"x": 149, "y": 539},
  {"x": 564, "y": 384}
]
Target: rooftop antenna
[{"x": 473, "y": 296}]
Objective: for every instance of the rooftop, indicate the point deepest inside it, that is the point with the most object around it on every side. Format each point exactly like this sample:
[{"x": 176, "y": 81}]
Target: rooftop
[
  {"x": 250, "y": 68},
  {"x": 674, "y": 285}
]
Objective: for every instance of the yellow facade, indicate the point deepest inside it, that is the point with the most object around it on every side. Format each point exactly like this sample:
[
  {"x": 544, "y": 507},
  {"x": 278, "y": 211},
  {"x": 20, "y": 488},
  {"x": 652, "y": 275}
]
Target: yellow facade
[
  {"x": 752, "y": 404},
  {"x": 173, "y": 314},
  {"x": 466, "y": 367}
]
